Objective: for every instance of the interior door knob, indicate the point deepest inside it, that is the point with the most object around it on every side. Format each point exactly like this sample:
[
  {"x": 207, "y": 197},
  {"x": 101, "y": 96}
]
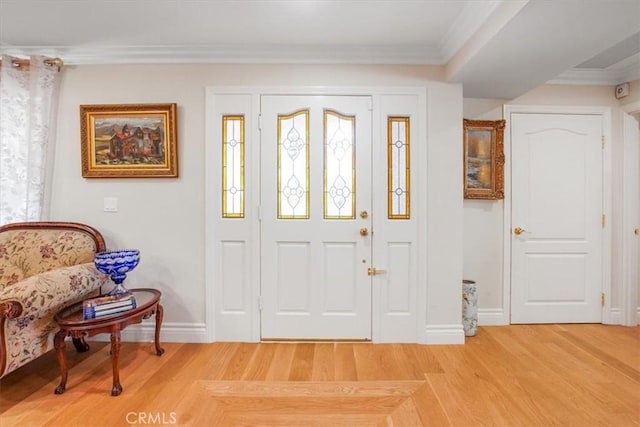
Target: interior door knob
[
  {"x": 518, "y": 231},
  {"x": 364, "y": 231}
]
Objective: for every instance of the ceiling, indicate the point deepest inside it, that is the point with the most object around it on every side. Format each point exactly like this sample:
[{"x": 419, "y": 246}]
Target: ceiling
[{"x": 496, "y": 49}]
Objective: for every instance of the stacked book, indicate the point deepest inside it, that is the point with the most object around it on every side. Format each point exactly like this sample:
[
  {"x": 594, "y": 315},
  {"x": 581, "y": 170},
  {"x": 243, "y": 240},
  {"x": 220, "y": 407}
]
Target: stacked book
[{"x": 107, "y": 305}]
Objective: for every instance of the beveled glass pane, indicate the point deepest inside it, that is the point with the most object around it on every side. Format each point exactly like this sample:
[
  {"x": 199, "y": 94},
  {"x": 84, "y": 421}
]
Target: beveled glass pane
[
  {"x": 233, "y": 166},
  {"x": 339, "y": 166},
  {"x": 399, "y": 197},
  {"x": 293, "y": 165}
]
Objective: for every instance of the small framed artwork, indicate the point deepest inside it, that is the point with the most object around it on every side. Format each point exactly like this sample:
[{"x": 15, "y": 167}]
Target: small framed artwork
[
  {"x": 129, "y": 140},
  {"x": 483, "y": 159}
]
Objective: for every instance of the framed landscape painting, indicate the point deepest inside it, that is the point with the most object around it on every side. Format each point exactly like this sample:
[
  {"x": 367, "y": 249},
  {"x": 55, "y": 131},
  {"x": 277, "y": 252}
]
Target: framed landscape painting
[
  {"x": 483, "y": 159},
  {"x": 129, "y": 140}
]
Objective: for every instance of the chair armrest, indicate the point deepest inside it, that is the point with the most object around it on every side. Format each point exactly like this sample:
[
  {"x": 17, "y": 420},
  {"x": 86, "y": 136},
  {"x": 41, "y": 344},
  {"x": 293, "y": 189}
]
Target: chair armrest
[
  {"x": 49, "y": 290},
  {"x": 10, "y": 309}
]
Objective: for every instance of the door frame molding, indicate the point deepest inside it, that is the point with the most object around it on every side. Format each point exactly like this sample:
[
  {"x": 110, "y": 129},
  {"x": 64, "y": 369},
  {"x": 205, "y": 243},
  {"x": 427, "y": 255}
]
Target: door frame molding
[
  {"x": 605, "y": 113},
  {"x": 450, "y": 334},
  {"x": 629, "y": 310}
]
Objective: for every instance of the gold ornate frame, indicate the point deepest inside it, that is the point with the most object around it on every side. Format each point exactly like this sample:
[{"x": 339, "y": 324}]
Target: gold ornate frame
[
  {"x": 129, "y": 140},
  {"x": 483, "y": 159}
]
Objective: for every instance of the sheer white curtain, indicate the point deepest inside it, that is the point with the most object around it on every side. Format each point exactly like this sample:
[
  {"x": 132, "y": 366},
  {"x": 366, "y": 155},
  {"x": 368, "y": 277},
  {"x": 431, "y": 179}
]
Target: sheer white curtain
[{"x": 28, "y": 106}]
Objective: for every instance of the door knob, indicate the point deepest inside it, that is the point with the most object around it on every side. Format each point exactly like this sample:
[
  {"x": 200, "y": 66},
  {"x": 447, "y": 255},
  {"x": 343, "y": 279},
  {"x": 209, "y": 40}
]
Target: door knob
[
  {"x": 518, "y": 231},
  {"x": 364, "y": 232},
  {"x": 372, "y": 271}
]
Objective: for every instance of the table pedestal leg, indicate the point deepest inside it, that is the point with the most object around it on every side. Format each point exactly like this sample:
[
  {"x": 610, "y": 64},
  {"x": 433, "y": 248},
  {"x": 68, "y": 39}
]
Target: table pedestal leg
[
  {"x": 115, "y": 355},
  {"x": 58, "y": 343},
  {"x": 159, "y": 316}
]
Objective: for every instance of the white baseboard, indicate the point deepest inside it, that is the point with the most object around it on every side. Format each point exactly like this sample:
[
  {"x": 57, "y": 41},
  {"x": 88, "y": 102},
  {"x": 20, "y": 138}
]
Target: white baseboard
[
  {"x": 615, "y": 317},
  {"x": 434, "y": 334},
  {"x": 444, "y": 334},
  {"x": 492, "y": 317},
  {"x": 498, "y": 317},
  {"x": 170, "y": 332}
]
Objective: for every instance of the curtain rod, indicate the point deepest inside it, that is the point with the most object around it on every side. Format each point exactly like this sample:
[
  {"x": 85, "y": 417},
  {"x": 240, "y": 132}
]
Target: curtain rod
[{"x": 19, "y": 63}]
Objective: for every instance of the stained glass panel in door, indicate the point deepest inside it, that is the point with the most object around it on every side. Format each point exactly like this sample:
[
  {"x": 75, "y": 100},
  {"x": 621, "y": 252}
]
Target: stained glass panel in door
[
  {"x": 293, "y": 165},
  {"x": 233, "y": 166},
  {"x": 339, "y": 166},
  {"x": 398, "y": 173}
]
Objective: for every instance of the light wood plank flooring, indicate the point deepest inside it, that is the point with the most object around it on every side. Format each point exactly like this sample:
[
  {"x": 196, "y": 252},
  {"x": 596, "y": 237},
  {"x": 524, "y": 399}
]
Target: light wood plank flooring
[{"x": 567, "y": 375}]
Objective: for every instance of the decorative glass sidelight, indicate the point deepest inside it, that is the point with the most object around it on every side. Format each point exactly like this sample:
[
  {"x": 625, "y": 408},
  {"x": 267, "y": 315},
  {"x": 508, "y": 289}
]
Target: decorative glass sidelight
[
  {"x": 293, "y": 165},
  {"x": 233, "y": 166},
  {"x": 399, "y": 197},
  {"x": 339, "y": 166}
]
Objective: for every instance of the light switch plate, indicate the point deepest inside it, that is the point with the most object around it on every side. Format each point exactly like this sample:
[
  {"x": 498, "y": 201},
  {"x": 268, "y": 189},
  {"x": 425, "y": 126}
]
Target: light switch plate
[{"x": 110, "y": 204}]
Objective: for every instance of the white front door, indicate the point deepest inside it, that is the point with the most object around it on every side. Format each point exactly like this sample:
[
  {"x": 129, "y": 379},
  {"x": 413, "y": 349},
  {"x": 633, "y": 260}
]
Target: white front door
[
  {"x": 557, "y": 205},
  {"x": 316, "y": 239}
]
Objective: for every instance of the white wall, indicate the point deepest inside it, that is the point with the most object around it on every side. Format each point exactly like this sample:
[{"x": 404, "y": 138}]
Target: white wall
[
  {"x": 483, "y": 220},
  {"x": 444, "y": 215},
  {"x": 164, "y": 218}
]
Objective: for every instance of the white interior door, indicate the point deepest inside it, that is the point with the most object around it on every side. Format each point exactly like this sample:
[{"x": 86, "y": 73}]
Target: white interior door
[
  {"x": 557, "y": 232},
  {"x": 315, "y": 237}
]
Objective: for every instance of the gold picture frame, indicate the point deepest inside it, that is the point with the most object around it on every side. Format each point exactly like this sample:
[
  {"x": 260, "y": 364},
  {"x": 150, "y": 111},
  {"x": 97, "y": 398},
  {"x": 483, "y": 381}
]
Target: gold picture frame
[
  {"x": 129, "y": 140},
  {"x": 483, "y": 159}
]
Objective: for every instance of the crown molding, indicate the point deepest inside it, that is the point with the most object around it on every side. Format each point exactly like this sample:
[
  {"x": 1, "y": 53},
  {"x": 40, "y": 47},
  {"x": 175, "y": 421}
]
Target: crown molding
[
  {"x": 624, "y": 71},
  {"x": 592, "y": 77},
  {"x": 226, "y": 54}
]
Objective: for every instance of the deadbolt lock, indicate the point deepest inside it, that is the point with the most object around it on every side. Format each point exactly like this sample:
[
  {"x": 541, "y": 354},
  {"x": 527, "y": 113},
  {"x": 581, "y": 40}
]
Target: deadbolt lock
[{"x": 364, "y": 214}]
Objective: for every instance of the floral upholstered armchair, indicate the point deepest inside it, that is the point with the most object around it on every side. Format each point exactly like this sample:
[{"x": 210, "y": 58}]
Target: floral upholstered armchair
[{"x": 44, "y": 267}]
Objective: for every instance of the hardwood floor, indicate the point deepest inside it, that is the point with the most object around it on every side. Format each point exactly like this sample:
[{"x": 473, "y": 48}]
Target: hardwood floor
[{"x": 519, "y": 375}]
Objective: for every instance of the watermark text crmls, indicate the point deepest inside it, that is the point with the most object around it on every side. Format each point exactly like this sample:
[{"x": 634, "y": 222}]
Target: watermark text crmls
[{"x": 150, "y": 418}]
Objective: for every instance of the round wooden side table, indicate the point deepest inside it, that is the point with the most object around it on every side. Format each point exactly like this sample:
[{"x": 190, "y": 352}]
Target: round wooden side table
[{"x": 73, "y": 324}]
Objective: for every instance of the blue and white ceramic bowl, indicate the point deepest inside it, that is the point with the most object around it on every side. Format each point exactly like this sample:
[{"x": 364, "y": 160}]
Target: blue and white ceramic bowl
[{"x": 117, "y": 264}]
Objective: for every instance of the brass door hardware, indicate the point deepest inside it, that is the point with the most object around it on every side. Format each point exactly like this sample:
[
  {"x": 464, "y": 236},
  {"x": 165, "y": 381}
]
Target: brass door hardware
[
  {"x": 372, "y": 271},
  {"x": 364, "y": 231},
  {"x": 518, "y": 231}
]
